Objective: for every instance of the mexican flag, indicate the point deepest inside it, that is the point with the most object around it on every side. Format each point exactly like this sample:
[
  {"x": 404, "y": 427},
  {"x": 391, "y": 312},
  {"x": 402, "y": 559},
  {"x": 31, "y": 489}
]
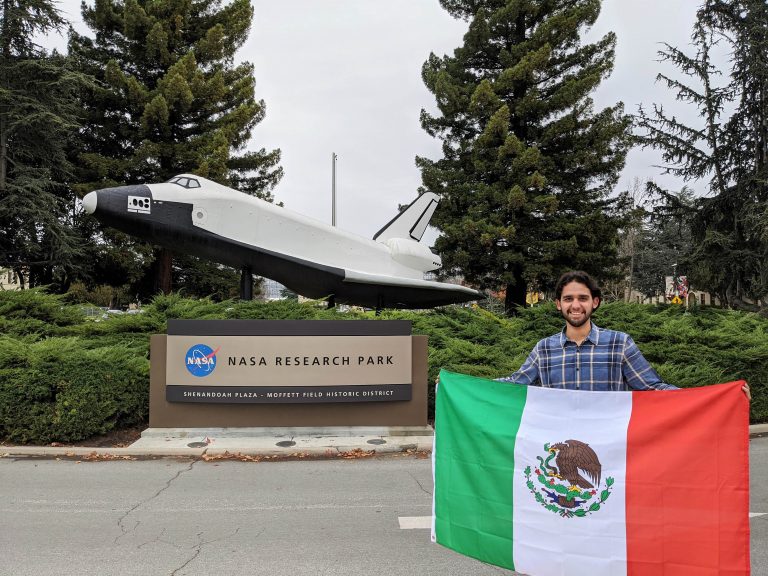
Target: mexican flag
[{"x": 559, "y": 482}]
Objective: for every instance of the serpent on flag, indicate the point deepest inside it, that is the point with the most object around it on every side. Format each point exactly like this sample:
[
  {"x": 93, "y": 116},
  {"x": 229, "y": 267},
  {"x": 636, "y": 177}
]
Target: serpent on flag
[{"x": 562, "y": 482}]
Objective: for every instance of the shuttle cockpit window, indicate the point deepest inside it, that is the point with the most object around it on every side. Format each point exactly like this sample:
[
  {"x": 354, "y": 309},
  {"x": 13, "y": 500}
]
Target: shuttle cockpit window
[{"x": 185, "y": 182}]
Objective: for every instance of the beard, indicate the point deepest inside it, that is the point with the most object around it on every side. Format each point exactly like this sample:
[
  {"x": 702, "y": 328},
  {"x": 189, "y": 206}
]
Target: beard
[{"x": 580, "y": 321}]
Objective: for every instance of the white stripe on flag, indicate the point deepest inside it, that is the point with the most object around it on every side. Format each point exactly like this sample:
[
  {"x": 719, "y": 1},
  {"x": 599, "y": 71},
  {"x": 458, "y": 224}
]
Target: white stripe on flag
[{"x": 544, "y": 542}]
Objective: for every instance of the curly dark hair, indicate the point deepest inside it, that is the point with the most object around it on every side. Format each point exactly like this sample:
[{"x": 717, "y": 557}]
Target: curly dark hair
[{"x": 582, "y": 278}]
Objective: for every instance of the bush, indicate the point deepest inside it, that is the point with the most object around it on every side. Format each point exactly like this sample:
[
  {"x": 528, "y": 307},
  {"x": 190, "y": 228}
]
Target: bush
[
  {"x": 63, "y": 378},
  {"x": 33, "y": 311},
  {"x": 688, "y": 348},
  {"x": 59, "y": 389}
]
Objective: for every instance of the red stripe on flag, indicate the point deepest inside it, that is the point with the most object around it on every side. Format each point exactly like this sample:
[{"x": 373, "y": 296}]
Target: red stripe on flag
[{"x": 687, "y": 496}]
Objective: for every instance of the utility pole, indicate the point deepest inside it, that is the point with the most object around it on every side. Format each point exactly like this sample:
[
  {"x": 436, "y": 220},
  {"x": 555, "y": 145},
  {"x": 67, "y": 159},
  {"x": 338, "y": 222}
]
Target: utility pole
[
  {"x": 333, "y": 188},
  {"x": 332, "y": 297}
]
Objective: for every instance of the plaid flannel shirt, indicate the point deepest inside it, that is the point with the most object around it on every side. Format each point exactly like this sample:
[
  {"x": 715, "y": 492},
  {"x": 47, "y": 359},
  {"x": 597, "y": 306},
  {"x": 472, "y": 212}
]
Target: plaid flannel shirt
[{"x": 607, "y": 360}]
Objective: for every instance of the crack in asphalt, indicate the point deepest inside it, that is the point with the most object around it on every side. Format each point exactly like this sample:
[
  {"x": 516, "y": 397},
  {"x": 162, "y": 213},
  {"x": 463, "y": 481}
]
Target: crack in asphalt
[
  {"x": 121, "y": 520},
  {"x": 199, "y": 547},
  {"x": 420, "y": 484},
  {"x": 196, "y": 549},
  {"x": 158, "y": 538}
]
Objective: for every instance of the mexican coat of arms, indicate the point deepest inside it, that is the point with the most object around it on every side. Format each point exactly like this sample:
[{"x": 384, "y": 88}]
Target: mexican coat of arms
[{"x": 571, "y": 486}]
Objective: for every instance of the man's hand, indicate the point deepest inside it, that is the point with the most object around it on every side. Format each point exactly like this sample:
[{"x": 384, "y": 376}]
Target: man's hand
[{"x": 747, "y": 392}]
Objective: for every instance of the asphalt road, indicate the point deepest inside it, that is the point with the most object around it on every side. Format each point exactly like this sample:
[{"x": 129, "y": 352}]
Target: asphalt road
[{"x": 238, "y": 518}]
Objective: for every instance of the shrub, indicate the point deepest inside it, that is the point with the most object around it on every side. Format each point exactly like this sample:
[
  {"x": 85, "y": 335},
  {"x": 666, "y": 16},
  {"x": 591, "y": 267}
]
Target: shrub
[
  {"x": 63, "y": 378},
  {"x": 60, "y": 390},
  {"x": 24, "y": 312}
]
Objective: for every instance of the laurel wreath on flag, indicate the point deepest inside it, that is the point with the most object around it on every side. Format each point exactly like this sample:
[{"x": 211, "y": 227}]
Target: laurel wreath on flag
[{"x": 550, "y": 483}]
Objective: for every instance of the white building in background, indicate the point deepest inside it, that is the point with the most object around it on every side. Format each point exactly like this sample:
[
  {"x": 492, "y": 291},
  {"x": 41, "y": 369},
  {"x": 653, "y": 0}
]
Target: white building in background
[
  {"x": 9, "y": 280},
  {"x": 271, "y": 290},
  {"x": 698, "y": 297}
]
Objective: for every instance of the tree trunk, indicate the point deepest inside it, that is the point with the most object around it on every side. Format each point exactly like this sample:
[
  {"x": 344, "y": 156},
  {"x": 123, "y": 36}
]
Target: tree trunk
[
  {"x": 3, "y": 152},
  {"x": 20, "y": 276},
  {"x": 735, "y": 298},
  {"x": 163, "y": 272},
  {"x": 514, "y": 298}
]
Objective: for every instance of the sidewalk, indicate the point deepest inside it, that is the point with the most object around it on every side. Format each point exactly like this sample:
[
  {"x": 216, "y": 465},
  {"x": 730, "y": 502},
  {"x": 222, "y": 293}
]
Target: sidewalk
[
  {"x": 327, "y": 442},
  {"x": 278, "y": 443}
]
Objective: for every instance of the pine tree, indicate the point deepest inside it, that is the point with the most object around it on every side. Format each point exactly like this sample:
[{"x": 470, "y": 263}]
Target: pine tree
[
  {"x": 172, "y": 98},
  {"x": 663, "y": 246},
  {"x": 527, "y": 162},
  {"x": 38, "y": 121},
  {"x": 727, "y": 152}
]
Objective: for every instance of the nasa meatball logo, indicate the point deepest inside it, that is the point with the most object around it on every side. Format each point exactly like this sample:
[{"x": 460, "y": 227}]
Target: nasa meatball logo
[{"x": 200, "y": 360}]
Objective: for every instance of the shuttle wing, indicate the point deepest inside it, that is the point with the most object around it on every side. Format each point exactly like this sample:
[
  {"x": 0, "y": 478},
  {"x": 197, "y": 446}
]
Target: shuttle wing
[{"x": 406, "y": 292}]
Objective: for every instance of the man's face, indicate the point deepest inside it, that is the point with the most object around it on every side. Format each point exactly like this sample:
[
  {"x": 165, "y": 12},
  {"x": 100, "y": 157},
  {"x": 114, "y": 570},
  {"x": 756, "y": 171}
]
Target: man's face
[{"x": 576, "y": 304}]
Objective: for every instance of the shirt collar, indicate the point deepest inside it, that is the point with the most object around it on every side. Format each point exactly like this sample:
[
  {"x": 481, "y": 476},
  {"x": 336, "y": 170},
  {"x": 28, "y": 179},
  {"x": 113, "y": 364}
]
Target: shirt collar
[{"x": 593, "y": 336}]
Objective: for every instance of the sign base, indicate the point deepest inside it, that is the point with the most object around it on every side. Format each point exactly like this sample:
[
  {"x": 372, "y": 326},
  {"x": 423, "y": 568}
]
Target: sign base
[{"x": 276, "y": 432}]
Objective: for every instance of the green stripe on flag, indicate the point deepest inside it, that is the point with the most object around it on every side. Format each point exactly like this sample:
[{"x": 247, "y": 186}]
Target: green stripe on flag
[{"x": 476, "y": 422}]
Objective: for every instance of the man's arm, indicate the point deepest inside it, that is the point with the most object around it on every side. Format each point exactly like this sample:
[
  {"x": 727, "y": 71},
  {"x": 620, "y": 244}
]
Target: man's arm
[
  {"x": 528, "y": 372},
  {"x": 638, "y": 373}
]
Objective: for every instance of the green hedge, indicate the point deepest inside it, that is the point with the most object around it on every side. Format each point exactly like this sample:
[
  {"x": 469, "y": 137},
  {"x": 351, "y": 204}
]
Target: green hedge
[
  {"x": 62, "y": 389},
  {"x": 65, "y": 378}
]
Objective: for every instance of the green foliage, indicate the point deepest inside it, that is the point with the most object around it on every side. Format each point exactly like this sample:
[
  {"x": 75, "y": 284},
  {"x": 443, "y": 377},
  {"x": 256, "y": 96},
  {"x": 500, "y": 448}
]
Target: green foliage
[
  {"x": 198, "y": 277},
  {"x": 700, "y": 346},
  {"x": 24, "y": 312},
  {"x": 39, "y": 118},
  {"x": 104, "y": 295},
  {"x": 527, "y": 162},
  {"x": 63, "y": 378},
  {"x": 59, "y": 390},
  {"x": 171, "y": 99},
  {"x": 661, "y": 243},
  {"x": 725, "y": 150}
]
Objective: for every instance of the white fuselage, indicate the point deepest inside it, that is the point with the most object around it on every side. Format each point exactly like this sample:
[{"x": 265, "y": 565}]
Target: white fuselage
[{"x": 249, "y": 220}]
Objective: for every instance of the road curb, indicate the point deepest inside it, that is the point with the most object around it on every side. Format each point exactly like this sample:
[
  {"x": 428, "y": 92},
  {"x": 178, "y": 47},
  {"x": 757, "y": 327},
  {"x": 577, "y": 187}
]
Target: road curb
[
  {"x": 90, "y": 453},
  {"x": 218, "y": 448},
  {"x": 331, "y": 448}
]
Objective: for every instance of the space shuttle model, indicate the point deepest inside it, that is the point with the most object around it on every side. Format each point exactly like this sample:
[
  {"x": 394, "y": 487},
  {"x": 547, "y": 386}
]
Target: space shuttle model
[{"x": 197, "y": 216}]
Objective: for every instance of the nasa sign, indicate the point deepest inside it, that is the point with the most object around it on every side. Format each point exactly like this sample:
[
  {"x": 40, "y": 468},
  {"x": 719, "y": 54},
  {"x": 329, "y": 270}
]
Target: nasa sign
[{"x": 253, "y": 361}]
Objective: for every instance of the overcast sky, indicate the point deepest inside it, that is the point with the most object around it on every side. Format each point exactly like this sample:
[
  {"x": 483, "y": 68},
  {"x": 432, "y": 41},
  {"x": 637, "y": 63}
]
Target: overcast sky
[{"x": 344, "y": 76}]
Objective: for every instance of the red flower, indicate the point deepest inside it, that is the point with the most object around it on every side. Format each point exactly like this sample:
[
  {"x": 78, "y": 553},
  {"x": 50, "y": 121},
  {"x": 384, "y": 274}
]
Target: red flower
[
  {"x": 592, "y": 492},
  {"x": 537, "y": 471},
  {"x": 551, "y": 480}
]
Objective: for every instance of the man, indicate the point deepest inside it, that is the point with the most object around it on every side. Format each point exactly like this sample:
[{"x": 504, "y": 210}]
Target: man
[{"x": 584, "y": 356}]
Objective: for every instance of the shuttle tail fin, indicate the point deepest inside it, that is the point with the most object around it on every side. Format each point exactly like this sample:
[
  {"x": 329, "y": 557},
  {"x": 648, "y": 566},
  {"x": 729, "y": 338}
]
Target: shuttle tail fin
[{"x": 411, "y": 222}]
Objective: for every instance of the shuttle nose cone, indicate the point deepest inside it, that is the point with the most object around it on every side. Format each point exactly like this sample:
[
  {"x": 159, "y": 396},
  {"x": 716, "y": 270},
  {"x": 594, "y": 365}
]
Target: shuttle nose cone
[{"x": 89, "y": 202}]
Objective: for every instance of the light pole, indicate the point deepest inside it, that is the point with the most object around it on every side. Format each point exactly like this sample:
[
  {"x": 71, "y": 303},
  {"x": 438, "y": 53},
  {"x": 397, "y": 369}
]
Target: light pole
[{"x": 333, "y": 188}]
